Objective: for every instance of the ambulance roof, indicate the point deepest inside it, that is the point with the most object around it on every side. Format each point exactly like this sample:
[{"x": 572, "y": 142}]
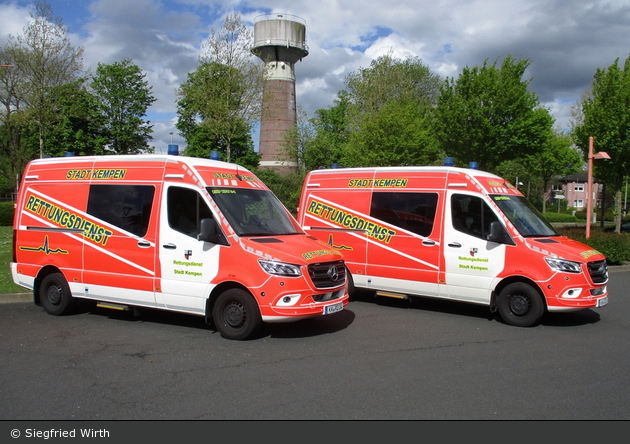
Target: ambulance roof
[
  {"x": 125, "y": 158},
  {"x": 405, "y": 169}
]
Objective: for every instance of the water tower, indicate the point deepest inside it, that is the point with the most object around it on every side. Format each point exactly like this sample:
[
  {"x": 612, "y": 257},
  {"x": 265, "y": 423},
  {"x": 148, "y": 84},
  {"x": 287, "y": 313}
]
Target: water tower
[{"x": 280, "y": 42}]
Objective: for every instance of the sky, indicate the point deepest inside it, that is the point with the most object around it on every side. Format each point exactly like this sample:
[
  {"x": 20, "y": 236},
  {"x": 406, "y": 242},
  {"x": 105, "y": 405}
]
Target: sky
[{"x": 565, "y": 41}]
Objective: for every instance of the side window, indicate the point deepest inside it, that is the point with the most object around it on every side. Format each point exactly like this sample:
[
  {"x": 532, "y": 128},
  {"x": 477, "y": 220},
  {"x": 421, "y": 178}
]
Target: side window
[
  {"x": 471, "y": 215},
  {"x": 126, "y": 206},
  {"x": 413, "y": 212},
  {"x": 185, "y": 208}
]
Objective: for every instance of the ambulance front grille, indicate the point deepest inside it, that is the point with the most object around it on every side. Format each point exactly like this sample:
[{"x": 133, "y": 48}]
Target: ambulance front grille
[
  {"x": 327, "y": 274},
  {"x": 598, "y": 271}
]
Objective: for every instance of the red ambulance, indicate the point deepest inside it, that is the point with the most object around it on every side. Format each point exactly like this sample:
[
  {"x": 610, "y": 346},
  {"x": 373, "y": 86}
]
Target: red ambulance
[
  {"x": 184, "y": 234},
  {"x": 451, "y": 233}
]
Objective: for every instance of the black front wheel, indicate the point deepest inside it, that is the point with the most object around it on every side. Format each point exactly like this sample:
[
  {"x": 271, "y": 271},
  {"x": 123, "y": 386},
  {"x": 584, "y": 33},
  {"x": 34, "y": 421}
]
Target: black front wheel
[
  {"x": 54, "y": 295},
  {"x": 236, "y": 314},
  {"x": 520, "y": 304},
  {"x": 351, "y": 290}
]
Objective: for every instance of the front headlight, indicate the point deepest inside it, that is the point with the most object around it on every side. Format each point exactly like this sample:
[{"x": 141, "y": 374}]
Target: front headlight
[
  {"x": 280, "y": 268},
  {"x": 564, "y": 265}
]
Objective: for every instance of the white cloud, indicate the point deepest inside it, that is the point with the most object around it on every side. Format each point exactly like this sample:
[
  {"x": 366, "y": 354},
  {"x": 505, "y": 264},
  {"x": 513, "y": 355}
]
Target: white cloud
[
  {"x": 13, "y": 19},
  {"x": 565, "y": 42}
]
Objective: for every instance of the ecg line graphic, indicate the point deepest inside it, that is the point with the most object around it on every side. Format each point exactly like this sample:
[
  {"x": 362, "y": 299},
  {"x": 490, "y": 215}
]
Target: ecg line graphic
[
  {"x": 45, "y": 248},
  {"x": 338, "y": 247}
]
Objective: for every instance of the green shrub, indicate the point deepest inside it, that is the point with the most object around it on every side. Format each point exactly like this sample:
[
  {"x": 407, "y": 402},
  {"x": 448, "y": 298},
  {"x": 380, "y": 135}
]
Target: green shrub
[
  {"x": 608, "y": 215},
  {"x": 287, "y": 188},
  {"x": 6, "y": 214},
  {"x": 560, "y": 217},
  {"x": 616, "y": 247}
]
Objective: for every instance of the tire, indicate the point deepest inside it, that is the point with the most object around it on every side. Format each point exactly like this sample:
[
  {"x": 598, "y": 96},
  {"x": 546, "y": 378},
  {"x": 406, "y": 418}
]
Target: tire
[
  {"x": 351, "y": 290},
  {"x": 55, "y": 296},
  {"x": 520, "y": 304},
  {"x": 236, "y": 314}
]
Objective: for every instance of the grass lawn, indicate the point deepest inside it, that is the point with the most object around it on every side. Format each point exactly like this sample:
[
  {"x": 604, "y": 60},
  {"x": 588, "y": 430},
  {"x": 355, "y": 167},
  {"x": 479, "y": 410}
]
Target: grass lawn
[{"x": 6, "y": 255}]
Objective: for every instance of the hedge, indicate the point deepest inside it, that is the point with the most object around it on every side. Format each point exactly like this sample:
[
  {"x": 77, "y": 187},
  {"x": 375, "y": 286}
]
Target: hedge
[
  {"x": 616, "y": 247},
  {"x": 560, "y": 217},
  {"x": 6, "y": 213}
]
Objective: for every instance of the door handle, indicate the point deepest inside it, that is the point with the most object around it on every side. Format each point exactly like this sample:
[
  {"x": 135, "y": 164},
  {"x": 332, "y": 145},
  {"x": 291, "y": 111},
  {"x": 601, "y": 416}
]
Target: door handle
[
  {"x": 169, "y": 246},
  {"x": 428, "y": 242},
  {"x": 144, "y": 244},
  {"x": 455, "y": 245}
]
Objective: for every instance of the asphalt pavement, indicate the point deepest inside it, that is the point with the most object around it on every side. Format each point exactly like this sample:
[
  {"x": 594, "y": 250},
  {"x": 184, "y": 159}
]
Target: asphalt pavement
[{"x": 28, "y": 296}]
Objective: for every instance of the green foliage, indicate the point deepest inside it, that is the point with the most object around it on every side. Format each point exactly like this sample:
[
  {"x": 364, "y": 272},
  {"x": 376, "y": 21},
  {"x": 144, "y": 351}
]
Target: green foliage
[
  {"x": 616, "y": 247},
  {"x": 79, "y": 127},
  {"x": 123, "y": 99},
  {"x": 392, "y": 80},
  {"x": 488, "y": 115},
  {"x": 287, "y": 188},
  {"x": 7, "y": 210},
  {"x": 330, "y": 128},
  {"x": 398, "y": 134},
  {"x": 223, "y": 97},
  {"x": 43, "y": 58},
  {"x": 201, "y": 142},
  {"x": 557, "y": 157},
  {"x": 560, "y": 217},
  {"x": 382, "y": 118},
  {"x": 606, "y": 118},
  {"x": 209, "y": 115}
]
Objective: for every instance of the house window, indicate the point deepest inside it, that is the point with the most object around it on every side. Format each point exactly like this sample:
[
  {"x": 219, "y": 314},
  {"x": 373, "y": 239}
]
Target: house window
[
  {"x": 579, "y": 188},
  {"x": 579, "y": 203}
]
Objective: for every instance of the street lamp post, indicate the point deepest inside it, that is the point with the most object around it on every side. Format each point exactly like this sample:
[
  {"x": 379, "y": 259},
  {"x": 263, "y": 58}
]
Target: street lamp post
[{"x": 591, "y": 156}]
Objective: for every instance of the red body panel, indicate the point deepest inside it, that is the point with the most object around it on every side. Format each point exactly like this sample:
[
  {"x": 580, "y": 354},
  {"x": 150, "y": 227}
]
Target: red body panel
[{"x": 55, "y": 227}]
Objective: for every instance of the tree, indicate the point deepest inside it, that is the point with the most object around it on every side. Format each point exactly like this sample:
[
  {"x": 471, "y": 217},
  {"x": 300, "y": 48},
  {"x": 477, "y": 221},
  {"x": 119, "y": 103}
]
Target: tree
[
  {"x": 45, "y": 58},
  {"x": 331, "y": 134},
  {"x": 14, "y": 151},
  {"x": 79, "y": 126},
  {"x": 224, "y": 93},
  {"x": 488, "y": 115},
  {"x": 124, "y": 97},
  {"x": 389, "y": 113},
  {"x": 398, "y": 134},
  {"x": 606, "y": 117},
  {"x": 208, "y": 124},
  {"x": 298, "y": 139},
  {"x": 39, "y": 60},
  {"x": 558, "y": 158}
]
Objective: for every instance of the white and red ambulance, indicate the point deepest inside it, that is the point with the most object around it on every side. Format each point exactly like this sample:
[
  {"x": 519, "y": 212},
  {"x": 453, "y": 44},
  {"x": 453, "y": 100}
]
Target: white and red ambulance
[
  {"x": 453, "y": 233},
  {"x": 184, "y": 234}
]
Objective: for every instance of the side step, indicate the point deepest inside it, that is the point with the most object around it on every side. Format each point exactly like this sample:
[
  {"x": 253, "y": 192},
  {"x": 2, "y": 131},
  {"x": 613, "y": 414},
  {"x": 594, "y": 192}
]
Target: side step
[
  {"x": 392, "y": 295},
  {"x": 113, "y": 306}
]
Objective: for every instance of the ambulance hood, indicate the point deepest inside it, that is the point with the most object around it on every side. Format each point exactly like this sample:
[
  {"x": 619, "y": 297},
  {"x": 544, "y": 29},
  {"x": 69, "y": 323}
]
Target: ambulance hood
[
  {"x": 294, "y": 248},
  {"x": 565, "y": 248}
]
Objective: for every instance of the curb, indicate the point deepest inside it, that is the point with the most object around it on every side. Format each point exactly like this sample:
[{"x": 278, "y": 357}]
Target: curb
[{"x": 16, "y": 297}]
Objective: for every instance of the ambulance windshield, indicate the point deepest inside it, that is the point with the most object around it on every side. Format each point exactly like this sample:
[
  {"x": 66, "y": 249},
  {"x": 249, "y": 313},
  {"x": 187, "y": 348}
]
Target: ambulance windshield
[
  {"x": 527, "y": 219},
  {"x": 253, "y": 212}
]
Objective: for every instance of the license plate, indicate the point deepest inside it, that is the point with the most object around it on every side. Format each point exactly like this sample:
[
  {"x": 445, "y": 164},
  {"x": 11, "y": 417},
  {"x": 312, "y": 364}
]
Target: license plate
[
  {"x": 603, "y": 301},
  {"x": 333, "y": 308}
]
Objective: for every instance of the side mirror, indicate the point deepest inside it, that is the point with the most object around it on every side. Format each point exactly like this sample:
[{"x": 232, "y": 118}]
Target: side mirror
[
  {"x": 498, "y": 234},
  {"x": 208, "y": 231}
]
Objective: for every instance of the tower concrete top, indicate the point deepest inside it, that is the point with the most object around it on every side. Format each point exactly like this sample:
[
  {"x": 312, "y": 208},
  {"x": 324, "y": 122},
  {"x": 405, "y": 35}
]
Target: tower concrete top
[{"x": 280, "y": 38}]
